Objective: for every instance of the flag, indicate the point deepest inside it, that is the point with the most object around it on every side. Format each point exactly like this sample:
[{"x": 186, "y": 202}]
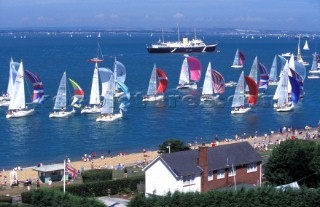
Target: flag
[{"x": 71, "y": 171}]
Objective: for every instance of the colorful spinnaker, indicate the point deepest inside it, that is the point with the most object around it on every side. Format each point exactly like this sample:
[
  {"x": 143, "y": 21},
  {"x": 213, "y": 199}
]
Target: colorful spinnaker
[
  {"x": 38, "y": 91},
  {"x": 78, "y": 94},
  {"x": 195, "y": 68},
  {"x": 264, "y": 76},
  {"x": 218, "y": 82}
]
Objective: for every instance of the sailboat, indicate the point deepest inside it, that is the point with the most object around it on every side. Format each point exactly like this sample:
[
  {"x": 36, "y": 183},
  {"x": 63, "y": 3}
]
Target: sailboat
[
  {"x": 107, "y": 111},
  {"x": 193, "y": 66},
  {"x": 61, "y": 98},
  {"x": 238, "y": 60},
  {"x": 5, "y": 98},
  {"x": 119, "y": 72},
  {"x": 273, "y": 76},
  {"x": 299, "y": 57},
  {"x": 157, "y": 85},
  {"x": 213, "y": 83},
  {"x": 238, "y": 98},
  {"x": 253, "y": 73},
  {"x": 99, "y": 57},
  {"x": 17, "y": 107},
  {"x": 281, "y": 94},
  {"x": 94, "y": 102},
  {"x": 306, "y": 46},
  {"x": 315, "y": 67}
]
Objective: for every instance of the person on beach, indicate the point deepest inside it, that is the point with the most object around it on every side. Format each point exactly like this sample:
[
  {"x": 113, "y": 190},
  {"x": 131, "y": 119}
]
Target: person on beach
[
  {"x": 50, "y": 183},
  {"x": 38, "y": 183},
  {"x": 125, "y": 172}
]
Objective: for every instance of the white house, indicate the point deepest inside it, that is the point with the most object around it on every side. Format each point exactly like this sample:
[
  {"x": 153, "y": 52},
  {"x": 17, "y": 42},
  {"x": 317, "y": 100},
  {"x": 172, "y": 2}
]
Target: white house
[{"x": 203, "y": 169}]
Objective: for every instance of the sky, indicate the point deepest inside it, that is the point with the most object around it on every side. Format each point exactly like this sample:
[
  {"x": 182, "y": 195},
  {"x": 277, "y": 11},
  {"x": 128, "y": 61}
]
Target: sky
[{"x": 284, "y": 15}]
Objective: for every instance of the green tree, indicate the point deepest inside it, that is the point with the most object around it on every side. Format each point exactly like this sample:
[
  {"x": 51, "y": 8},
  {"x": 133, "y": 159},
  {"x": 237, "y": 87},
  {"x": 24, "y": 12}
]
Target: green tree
[
  {"x": 174, "y": 145},
  {"x": 291, "y": 161}
]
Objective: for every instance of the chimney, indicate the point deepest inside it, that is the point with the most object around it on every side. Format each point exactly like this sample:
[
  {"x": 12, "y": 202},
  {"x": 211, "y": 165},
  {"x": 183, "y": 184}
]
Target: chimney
[{"x": 203, "y": 163}]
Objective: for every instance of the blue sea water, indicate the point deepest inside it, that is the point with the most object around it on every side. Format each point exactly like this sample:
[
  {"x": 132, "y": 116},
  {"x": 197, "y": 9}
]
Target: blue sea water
[{"x": 30, "y": 140}]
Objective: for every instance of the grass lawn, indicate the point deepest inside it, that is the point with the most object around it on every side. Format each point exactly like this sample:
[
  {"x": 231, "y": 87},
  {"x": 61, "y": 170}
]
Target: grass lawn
[{"x": 133, "y": 171}]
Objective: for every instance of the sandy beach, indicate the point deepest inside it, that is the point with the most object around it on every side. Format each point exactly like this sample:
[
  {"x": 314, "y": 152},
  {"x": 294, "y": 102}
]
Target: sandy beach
[{"x": 134, "y": 158}]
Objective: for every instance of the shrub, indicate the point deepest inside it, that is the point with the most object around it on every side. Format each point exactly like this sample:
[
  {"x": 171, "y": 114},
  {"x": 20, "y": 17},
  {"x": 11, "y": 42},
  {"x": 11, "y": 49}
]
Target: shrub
[
  {"x": 52, "y": 197},
  {"x": 96, "y": 175}
]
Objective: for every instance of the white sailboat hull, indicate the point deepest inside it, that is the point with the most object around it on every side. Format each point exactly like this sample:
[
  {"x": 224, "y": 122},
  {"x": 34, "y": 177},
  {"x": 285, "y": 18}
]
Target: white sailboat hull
[
  {"x": 237, "y": 66},
  {"x": 188, "y": 86},
  {"x": 20, "y": 113},
  {"x": 91, "y": 110},
  {"x": 153, "y": 98},
  {"x": 109, "y": 118},
  {"x": 240, "y": 110},
  {"x": 285, "y": 108},
  {"x": 61, "y": 114},
  {"x": 208, "y": 98},
  {"x": 273, "y": 83},
  {"x": 315, "y": 71},
  {"x": 4, "y": 102},
  {"x": 313, "y": 76},
  {"x": 231, "y": 84}
]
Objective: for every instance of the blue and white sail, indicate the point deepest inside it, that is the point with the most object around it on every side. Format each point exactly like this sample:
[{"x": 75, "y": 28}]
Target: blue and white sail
[
  {"x": 295, "y": 94},
  {"x": 107, "y": 91},
  {"x": 125, "y": 99}
]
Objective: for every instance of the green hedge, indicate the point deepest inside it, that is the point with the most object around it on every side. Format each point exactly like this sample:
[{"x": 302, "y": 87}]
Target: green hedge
[
  {"x": 55, "y": 198},
  {"x": 96, "y": 175},
  {"x": 15, "y": 205},
  {"x": 95, "y": 189},
  {"x": 5, "y": 199},
  {"x": 261, "y": 197}
]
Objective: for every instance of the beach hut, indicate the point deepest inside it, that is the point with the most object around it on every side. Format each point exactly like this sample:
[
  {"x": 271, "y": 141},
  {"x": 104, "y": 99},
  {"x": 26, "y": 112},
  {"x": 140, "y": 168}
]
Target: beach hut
[{"x": 52, "y": 172}]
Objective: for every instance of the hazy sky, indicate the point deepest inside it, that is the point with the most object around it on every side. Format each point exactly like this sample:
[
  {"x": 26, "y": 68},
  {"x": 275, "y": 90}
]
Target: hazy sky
[{"x": 293, "y": 15}]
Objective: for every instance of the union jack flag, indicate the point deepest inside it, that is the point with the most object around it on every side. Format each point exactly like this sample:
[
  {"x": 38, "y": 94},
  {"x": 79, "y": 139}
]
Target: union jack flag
[{"x": 73, "y": 172}]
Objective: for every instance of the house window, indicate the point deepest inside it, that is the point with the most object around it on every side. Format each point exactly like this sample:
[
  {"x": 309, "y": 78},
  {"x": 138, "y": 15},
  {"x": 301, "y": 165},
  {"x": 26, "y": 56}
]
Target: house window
[
  {"x": 188, "y": 180},
  {"x": 232, "y": 171},
  {"x": 220, "y": 173},
  {"x": 210, "y": 175},
  {"x": 252, "y": 167}
]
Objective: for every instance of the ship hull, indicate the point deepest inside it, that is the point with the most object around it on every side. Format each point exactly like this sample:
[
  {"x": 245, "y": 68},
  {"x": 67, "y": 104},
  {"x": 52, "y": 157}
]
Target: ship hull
[{"x": 208, "y": 48}]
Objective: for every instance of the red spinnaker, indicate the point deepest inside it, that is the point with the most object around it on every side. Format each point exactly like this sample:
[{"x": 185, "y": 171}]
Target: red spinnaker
[
  {"x": 162, "y": 81},
  {"x": 253, "y": 91}
]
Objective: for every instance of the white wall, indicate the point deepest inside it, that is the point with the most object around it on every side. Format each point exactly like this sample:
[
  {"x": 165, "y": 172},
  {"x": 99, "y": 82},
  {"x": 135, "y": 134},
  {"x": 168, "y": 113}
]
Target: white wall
[{"x": 159, "y": 181}]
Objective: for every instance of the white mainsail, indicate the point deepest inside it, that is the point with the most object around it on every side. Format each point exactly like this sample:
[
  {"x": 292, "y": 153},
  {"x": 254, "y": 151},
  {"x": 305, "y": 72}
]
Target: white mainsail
[
  {"x": 14, "y": 66},
  {"x": 95, "y": 89},
  {"x": 184, "y": 74},
  {"x": 238, "y": 98},
  {"x": 306, "y": 46},
  {"x": 274, "y": 70},
  {"x": 254, "y": 72},
  {"x": 18, "y": 99},
  {"x": 315, "y": 66},
  {"x": 283, "y": 88},
  {"x": 236, "y": 58},
  {"x": 208, "y": 83},
  {"x": 61, "y": 98},
  {"x": 152, "y": 88}
]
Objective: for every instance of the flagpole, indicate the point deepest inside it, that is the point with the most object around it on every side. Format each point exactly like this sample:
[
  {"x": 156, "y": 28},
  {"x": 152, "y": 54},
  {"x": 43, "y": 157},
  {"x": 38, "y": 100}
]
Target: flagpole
[{"x": 64, "y": 176}]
